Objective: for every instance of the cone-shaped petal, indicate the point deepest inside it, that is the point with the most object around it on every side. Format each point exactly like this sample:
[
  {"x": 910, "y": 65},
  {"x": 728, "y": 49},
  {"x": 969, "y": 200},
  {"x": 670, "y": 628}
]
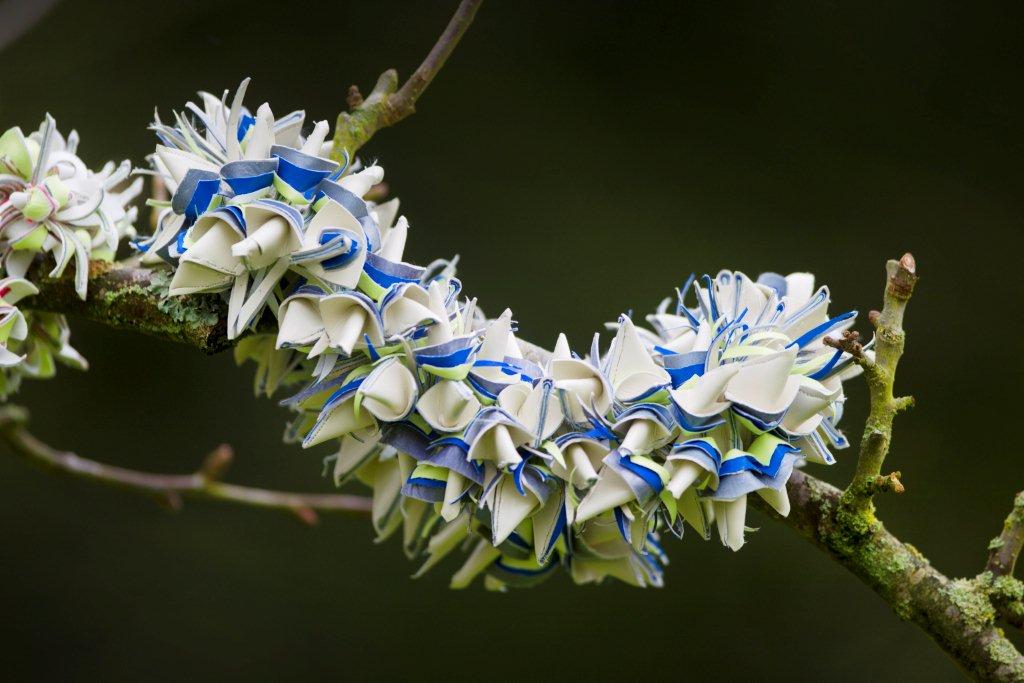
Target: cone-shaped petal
[
  {"x": 811, "y": 404},
  {"x": 608, "y": 493},
  {"x": 508, "y": 508},
  {"x": 730, "y": 516},
  {"x": 271, "y": 241},
  {"x": 299, "y": 321},
  {"x": 642, "y": 436},
  {"x": 407, "y": 311},
  {"x": 359, "y": 183},
  {"x": 765, "y": 383},
  {"x": 347, "y": 319},
  {"x": 632, "y": 371},
  {"x": 496, "y": 445},
  {"x": 339, "y": 420},
  {"x": 702, "y": 398},
  {"x": 394, "y": 243},
  {"x": 316, "y": 138},
  {"x": 441, "y": 331},
  {"x": 685, "y": 474},
  {"x": 584, "y": 473},
  {"x": 562, "y": 350},
  {"x": 451, "y": 505},
  {"x": 480, "y": 559},
  {"x": 496, "y": 338},
  {"x": 777, "y": 498},
  {"x": 178, "y": 163},
  {"x": 389, "y": 391},
  {"x": 448, "y": 406}
]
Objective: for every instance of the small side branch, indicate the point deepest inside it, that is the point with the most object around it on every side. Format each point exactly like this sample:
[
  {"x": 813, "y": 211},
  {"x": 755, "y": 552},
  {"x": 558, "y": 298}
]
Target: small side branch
[
  {"x": 388, "y": 104},
  {"x": 1005, "y": 548},
  {"x": 169, "y": 489},
  {"x": 880, "y": 373}
]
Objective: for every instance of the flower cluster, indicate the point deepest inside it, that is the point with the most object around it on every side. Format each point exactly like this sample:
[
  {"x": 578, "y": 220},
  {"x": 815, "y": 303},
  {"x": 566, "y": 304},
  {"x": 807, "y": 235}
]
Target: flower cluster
[
  {"x": 52, "y": 207},
  {"x": 467, "y": 437},
  {"x": 244, "y": 189},
  {"x": 527, "y": 463}
]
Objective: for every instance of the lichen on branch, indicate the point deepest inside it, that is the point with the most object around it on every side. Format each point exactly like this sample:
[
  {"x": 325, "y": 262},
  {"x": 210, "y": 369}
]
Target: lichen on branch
[
  {"x": 125, "y": 296},
  {"x": 1005, "y": 548}
]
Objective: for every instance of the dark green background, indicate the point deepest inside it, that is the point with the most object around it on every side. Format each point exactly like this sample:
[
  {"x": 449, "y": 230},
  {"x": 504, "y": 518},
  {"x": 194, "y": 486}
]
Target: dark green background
[{"x": 582, "y": 158}]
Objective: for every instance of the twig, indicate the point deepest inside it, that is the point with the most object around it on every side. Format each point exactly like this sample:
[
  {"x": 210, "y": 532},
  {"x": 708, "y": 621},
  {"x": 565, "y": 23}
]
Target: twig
[
  {"x": 880, "y": 373},
  {"x": 170, "y": 488},
  {"x": 1005, "y": 548},
  {"x": 850, "y": 343},
  {"x": 388, "y": 104}
]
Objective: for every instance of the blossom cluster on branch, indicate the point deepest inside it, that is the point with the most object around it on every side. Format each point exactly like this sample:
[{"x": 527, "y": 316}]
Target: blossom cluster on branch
[
  {"x": 468, "y": 437},
  {"x": 52, "y": 208},
  {"x": 578, "y": 461}
]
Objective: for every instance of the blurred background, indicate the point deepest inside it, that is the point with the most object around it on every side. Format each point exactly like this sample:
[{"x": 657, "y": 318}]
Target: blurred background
[{"x": 583, "y": 158}]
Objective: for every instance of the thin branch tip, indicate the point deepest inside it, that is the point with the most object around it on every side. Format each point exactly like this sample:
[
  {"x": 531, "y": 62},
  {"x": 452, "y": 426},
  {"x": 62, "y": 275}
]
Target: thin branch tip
[
  {"x": 169, "y": 490},
  {"x": 902, "y": 403},
  {"x": 908, "y": 263},
  {"x": 902, "y": 276},
  {"x": 354, "y": 98},
  {"x": 849, "y": 343},
  {"x": 880, "y": 373},
  {"x": 306, "y": 515},
  {"x": 890, "y": 483},
  {"x": 217, "y": 462},
  {"x": 388, "y": 103},
  {"x": 1005, "y": 548}
]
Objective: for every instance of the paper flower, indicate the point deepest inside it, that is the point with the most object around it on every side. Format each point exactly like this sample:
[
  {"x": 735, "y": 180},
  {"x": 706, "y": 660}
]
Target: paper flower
[
  {"x": 50, "y": 202},
  {"x": 31, "y": 342},
  {"x": 582, "y": 462},
  {"x": 256, "y": 207}
]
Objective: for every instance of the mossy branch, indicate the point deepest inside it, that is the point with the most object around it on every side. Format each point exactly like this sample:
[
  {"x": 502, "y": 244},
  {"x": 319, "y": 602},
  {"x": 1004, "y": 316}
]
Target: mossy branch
[
  {"x": 169, "y": 489},
  {"x": 958, "y": 614},
  {"x": 388, "y": 103},
  {"x": 1005, "y": 548},
  {"x": 127, "y": 296}
]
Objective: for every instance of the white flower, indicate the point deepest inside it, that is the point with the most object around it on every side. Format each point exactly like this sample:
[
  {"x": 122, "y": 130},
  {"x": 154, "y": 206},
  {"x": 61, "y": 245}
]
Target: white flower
[{"x": 50, "y": 202}]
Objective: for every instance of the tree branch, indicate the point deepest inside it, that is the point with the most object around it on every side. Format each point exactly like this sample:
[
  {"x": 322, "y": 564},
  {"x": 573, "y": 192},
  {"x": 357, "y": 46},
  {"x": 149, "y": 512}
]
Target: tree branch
[
  {"x": 880, "y": 373},
  {"x": 170, "y": 488},
  {"x": 126, "y": 296},
  {"x": 388, "y": 104},
  {"x": 957, "y": 614},
  {"x": 1005, "y": 548}
]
